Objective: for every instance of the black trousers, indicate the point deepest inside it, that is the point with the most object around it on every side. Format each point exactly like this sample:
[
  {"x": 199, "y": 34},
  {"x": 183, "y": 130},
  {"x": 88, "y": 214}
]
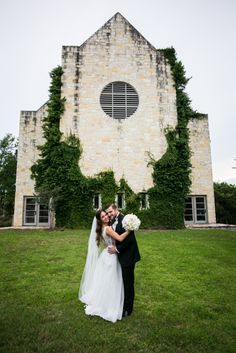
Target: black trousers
[{"x": 128, "y": 279}]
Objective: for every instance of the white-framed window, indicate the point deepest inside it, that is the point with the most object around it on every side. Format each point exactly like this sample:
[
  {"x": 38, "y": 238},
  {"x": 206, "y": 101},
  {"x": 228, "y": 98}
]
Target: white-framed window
[
  {"x": 120, "y": 200},
  {"x": 119, "y": 100},
  {"x": 35, "y": 213},
  {"x": 195, "y": 209},
  {"x": 144, "y": 200},
  {"x": 97, "y": 201}
]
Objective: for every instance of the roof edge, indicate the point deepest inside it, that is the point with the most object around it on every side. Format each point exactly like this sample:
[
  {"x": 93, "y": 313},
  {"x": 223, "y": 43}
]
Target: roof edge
[{"x": 130, "y": 25}]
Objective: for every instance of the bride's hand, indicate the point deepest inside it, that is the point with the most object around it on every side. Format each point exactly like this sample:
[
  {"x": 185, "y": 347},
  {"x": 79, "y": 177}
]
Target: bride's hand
[{"x": 111, "y": 249}]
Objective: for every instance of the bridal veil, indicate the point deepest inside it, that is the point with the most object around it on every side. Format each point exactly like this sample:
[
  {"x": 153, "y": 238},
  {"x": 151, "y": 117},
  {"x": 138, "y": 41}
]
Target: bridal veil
[{"x": 90, "y": 265}]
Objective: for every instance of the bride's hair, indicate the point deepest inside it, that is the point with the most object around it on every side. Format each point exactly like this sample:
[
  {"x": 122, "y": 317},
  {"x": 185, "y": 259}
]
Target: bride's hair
[{"x": 99, "y": 226}]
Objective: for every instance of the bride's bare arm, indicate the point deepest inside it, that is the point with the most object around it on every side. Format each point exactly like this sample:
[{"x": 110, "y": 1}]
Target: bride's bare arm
[{"x": 115, "y": 235}]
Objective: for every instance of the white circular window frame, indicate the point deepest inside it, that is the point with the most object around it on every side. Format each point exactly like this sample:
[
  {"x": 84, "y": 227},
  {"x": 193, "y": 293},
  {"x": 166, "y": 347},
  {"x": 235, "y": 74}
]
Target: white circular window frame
[{"x": 119, "y": 100}]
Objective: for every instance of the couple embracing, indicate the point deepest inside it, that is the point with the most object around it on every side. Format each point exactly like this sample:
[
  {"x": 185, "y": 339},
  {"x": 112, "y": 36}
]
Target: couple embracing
[{"x": 107, "y": 285}]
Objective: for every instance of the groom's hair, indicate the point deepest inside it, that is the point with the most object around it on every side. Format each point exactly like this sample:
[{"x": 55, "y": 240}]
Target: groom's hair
[{"x": 113, "y": 205}]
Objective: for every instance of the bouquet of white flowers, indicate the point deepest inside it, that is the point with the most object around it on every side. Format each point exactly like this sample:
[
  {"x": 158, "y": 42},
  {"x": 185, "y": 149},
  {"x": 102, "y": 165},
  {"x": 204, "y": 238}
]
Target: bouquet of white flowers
[{"x": 131, "y": 222}]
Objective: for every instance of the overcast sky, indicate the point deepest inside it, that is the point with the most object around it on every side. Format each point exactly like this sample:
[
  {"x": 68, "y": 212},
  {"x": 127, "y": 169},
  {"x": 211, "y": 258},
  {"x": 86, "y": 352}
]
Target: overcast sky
[{"x": 203, "y": 32}]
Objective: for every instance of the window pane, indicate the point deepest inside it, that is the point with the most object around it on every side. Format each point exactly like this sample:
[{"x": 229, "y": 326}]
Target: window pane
[
  {"x": 200, "y": 209},
  {"x": 43, "y": 219},
  {"x": 96, "y": 201},
  {"x": 199, "y": 199},
  {"x": 43, "y": 213},
  {"x": 29, "y": 220},
  {"x": 30, "y": 200},
  {"x": 143, "y": 200},
  {"x": 118, "y": 87},
  {"x": 30, "y": 207},
  {"x": 120, "y": 199},
  {"x": 188, "y": 218},
  {"x": 188, "y": 214},
  {"x": 106, "y": 99},
  {"x": 132, "y": 100},
  {"x": 119, "y": 112},
  {"x": 119, "y": 100},
  {"x": 30, "y": 213}
]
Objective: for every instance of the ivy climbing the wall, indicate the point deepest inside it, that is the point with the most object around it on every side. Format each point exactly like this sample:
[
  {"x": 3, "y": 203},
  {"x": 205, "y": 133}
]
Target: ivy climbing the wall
[
  {"x": 57, "y": 173},
  {"x": 58, "y": 176},
  {"x": 171, "y": 174}
]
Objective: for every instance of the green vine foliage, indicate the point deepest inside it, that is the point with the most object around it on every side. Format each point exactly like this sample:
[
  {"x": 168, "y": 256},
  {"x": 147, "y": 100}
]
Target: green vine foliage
[
  {"x": 47, "y": 170},
  {"x": 171, "y": 174},
  {"x": 58, "y": 176}
]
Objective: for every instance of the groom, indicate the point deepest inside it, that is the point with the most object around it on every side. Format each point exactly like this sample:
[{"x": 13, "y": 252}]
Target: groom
[{"x": 128, "y": 255}]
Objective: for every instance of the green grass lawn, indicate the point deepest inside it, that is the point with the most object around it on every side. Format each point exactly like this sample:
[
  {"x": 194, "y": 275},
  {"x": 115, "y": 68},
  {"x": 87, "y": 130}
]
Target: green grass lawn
[{"x": 185, "y": 294}]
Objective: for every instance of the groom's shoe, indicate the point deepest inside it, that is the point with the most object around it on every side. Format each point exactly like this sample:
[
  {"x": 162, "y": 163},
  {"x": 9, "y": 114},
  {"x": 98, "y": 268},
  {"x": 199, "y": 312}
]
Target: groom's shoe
[{"x": 126, "y": 313}]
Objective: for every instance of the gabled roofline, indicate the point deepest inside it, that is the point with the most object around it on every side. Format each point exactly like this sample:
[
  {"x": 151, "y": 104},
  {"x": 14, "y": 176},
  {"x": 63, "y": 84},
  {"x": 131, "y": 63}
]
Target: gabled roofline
[{"x": 131, "y": 26}]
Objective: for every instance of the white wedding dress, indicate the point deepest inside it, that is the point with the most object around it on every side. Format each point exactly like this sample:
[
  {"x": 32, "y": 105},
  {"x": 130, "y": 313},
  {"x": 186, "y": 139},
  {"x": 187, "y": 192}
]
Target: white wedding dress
[{"x": 104, "y": 296}]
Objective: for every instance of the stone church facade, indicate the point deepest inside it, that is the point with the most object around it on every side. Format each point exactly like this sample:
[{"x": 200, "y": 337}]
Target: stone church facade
[{"x": 120, "y": 97}]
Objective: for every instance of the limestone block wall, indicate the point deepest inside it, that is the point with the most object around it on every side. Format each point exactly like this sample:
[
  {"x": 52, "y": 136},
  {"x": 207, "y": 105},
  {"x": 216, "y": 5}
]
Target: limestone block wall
[
  {"x": 202, "y": 180},
  {"x": 30, "y": 135},
  {"x": 117, "y": 52}
]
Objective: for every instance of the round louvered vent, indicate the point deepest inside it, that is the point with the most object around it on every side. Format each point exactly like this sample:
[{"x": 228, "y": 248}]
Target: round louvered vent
[{"x": 119, "y": 100}]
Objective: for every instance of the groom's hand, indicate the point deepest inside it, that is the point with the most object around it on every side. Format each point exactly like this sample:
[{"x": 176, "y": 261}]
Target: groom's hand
[{"x": 111, "y": 249}]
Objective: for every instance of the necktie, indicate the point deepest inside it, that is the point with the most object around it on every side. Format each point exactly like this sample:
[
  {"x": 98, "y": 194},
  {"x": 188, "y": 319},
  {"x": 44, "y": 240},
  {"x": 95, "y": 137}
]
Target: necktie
[{"x": 115, "y": 224}]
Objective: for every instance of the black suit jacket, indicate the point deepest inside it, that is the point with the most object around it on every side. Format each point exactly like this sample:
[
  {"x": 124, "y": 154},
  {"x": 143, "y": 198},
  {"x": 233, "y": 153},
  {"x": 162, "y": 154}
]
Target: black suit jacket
[{"x": 128, "y": 252}]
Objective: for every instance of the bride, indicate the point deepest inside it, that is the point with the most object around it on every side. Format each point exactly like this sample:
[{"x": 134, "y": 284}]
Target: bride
[{"x": 101, "y": 288}]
